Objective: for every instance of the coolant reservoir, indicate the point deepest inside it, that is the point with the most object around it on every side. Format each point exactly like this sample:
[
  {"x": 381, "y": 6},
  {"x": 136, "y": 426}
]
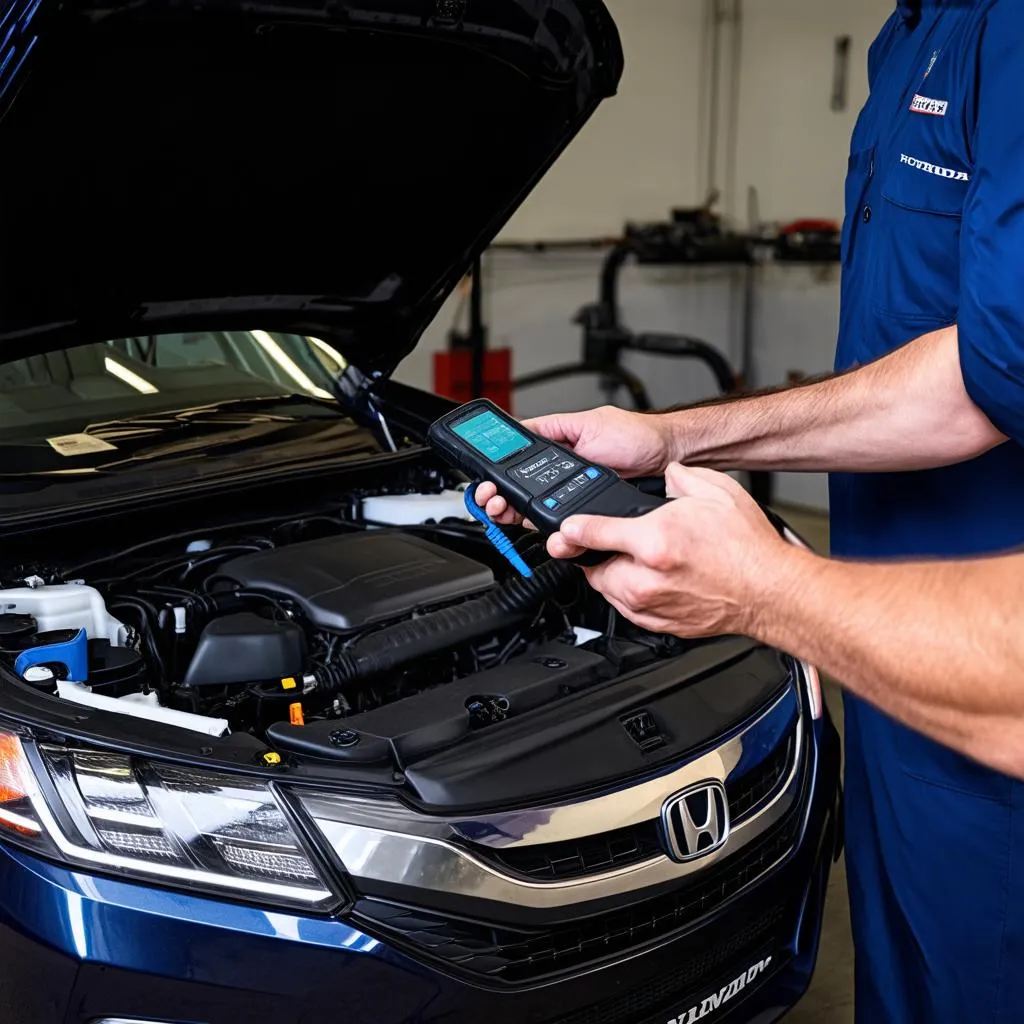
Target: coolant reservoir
[
  {"x": 412, "y": 509},
  {"x": 65, "y": 606}
]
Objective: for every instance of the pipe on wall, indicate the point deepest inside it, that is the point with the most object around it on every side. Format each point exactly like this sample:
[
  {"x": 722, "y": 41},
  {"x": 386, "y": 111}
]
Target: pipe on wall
[{"x": 722, "y": 34}]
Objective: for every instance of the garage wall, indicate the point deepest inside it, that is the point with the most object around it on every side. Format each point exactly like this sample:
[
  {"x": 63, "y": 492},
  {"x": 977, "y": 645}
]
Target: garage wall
[
  {"x": 791, "y": 145},
  {"x": 645, "y": 151},
  {"x": 637, "y": 155}
]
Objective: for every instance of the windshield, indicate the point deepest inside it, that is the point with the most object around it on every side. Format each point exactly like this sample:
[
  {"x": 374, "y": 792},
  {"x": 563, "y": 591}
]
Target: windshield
[{"x": 56, "y": 394}]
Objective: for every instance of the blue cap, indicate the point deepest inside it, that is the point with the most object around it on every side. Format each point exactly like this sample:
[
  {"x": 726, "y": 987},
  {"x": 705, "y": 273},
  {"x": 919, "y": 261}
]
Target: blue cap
[{"x": 73, "y": 654}]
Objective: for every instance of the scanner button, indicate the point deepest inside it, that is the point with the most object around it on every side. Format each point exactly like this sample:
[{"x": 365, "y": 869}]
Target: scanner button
[
  {"x": 593, "y": 473},
  {"x": 550, "y": 503}
]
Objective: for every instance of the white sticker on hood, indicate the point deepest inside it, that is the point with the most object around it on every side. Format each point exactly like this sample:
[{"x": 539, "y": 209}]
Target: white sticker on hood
[{"x": 79, "y": 444}]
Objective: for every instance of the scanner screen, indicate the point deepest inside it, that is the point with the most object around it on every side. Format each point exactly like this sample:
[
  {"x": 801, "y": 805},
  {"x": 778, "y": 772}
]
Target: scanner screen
[{"x": 491, "y": 436}]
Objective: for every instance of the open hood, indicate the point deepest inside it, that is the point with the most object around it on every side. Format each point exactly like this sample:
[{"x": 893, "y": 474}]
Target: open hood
[{"x": 325, "y": 167}]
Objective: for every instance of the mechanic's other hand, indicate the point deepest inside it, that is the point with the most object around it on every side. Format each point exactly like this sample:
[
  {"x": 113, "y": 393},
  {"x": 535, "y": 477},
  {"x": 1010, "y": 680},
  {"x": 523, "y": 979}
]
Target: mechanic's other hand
[
  {"x": 698, "y": 566},
  {"x": 631, "y": 443}
]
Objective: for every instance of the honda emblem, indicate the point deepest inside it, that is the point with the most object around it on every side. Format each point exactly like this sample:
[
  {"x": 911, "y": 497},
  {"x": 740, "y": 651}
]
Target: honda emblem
[{"x": 695, "y": 821}]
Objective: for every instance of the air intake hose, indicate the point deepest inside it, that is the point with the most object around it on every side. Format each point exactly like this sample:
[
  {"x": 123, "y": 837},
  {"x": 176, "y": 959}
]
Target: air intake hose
[{"x": 386, "y": 649}]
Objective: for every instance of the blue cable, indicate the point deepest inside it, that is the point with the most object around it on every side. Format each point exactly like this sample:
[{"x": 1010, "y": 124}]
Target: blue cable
[{"x": 495, "y": 534}]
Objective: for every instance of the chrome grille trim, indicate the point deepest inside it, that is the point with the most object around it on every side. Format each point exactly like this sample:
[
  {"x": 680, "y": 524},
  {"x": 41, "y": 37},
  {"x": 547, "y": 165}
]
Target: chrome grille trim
[{"x": 381, "y": 842}]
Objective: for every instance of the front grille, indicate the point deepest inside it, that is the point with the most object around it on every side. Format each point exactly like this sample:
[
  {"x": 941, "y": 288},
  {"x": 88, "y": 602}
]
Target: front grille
[
  {"x": 696, "y": 971},
  {"x": 575, "y": 858},
  {"x": 624, "y": 847},
  {"x": 517, "y": 956},
  {"x": 753, "y": 788}
]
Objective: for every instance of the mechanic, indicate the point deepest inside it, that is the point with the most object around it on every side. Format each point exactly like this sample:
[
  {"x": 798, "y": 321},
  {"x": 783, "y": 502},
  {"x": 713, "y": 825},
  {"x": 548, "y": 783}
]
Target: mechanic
[
  {"x": 930, "y": 650},
  {"x": 933, "y": 235}
]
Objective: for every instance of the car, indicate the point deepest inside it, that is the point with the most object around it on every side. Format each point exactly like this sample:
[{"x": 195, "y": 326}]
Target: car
[{"x": 282, "y": 736}]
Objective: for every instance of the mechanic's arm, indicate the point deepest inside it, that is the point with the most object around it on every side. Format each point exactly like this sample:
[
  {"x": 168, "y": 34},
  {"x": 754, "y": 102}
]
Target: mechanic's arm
[
  {"x": 938, "y": 646},
  {"x": 908, "y": 410}
]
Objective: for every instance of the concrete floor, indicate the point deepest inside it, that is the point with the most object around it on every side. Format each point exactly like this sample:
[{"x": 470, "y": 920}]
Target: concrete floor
[{"x": 830, "y": 998}]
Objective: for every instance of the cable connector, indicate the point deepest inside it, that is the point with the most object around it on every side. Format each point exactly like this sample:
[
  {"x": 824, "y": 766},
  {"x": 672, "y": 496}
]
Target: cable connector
[{"x": 502, "y": 544}]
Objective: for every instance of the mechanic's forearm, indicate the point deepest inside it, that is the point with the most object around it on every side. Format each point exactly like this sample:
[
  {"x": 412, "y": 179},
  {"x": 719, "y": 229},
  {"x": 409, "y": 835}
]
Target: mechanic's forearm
[
  {"x": 909, "y": 410},
  {"x": 937, "y": 646}
]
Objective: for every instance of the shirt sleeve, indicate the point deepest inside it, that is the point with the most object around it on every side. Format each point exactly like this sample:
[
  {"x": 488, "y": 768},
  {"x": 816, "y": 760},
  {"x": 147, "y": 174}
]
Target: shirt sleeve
[{"x": 991, "y": 315}]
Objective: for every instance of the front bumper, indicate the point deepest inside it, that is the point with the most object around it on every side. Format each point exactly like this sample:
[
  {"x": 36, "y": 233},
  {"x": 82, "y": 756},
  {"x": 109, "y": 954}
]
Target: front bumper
[{"x": 77, "y": 948}]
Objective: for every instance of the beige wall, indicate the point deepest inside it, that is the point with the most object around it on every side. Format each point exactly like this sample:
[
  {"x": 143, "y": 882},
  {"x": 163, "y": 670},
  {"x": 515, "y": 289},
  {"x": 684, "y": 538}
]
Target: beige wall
[
  {"x": 645, "y": 149},
  {"x": 792, "y": 146},
  {"x": 637, "y": 155}
]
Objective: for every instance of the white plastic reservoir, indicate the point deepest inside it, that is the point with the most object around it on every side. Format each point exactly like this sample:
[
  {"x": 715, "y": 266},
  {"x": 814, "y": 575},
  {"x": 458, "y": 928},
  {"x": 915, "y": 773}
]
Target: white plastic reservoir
[
  {"x": 412, "y": 509},
  {"x": 65, "y": 606}
]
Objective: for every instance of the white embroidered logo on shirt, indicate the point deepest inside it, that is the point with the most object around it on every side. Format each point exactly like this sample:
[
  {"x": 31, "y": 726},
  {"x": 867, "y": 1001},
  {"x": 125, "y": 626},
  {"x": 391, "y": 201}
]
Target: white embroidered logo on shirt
[
  {"x": 924, "y": 105},
  {"x": 942, "y": 172}
]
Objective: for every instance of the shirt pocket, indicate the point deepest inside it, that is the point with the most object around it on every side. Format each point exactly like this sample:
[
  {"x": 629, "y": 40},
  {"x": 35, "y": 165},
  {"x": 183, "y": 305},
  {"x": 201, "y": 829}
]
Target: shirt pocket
[
  {"x": 917, "y": 267},
  {"x": 858, "y": 177}
]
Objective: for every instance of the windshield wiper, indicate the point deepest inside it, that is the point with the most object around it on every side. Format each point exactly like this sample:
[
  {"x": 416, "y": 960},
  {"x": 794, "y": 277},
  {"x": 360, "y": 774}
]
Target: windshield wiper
[{"x": 216, "y": 415}]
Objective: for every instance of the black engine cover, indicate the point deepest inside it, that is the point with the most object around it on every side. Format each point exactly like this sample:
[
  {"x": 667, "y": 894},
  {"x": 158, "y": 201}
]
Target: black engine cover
[
  {"x": 246, "y": 648},
  {"x": 358, "y": 579}
]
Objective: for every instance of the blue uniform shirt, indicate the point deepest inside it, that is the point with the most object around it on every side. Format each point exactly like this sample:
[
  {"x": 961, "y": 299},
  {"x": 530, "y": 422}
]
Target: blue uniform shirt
[{"x": 934, "y": 235}]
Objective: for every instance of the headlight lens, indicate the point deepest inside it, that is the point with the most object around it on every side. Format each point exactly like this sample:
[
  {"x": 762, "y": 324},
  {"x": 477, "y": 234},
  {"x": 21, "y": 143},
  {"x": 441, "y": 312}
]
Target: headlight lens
[
  {"x": 813, "y": 683},
  {"x": 208, "y": 830},
  {"x": 17, "y": 789}
]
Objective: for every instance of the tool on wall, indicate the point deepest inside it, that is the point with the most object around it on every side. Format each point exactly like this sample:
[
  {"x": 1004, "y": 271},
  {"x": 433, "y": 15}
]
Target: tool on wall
[{"x": 841, "y": 73}]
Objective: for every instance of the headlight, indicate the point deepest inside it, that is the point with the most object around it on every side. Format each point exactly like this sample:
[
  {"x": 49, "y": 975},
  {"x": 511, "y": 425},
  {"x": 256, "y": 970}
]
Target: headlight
[
  {"x": 813, "y": 683},
  {"x": 17, "y": 789},
  {"x": 182, "y": 826}
]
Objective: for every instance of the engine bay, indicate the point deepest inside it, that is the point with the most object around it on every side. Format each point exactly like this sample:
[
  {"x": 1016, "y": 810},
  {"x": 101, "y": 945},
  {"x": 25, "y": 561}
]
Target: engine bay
[{"x": 389, "y": 628}]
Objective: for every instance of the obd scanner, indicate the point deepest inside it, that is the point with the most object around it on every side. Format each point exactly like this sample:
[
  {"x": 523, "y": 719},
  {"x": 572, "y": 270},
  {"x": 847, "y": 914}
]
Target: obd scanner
[{"x": 542, "y": 481}]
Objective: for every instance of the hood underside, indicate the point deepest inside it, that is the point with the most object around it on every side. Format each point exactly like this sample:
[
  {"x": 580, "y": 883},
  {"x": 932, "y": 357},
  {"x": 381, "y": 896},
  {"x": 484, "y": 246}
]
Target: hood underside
[{"x": 326, "y": 168}]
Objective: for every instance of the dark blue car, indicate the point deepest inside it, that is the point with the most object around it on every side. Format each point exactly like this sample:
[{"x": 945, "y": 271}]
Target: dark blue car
[{"x": 282, "y": 737}]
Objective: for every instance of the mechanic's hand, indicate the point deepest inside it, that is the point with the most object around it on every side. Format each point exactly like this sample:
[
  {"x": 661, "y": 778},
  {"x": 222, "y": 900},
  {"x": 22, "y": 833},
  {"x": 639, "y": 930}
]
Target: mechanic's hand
[
  {"x": 631, "y": 443},
  {"x": 696, "y": 567}
]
